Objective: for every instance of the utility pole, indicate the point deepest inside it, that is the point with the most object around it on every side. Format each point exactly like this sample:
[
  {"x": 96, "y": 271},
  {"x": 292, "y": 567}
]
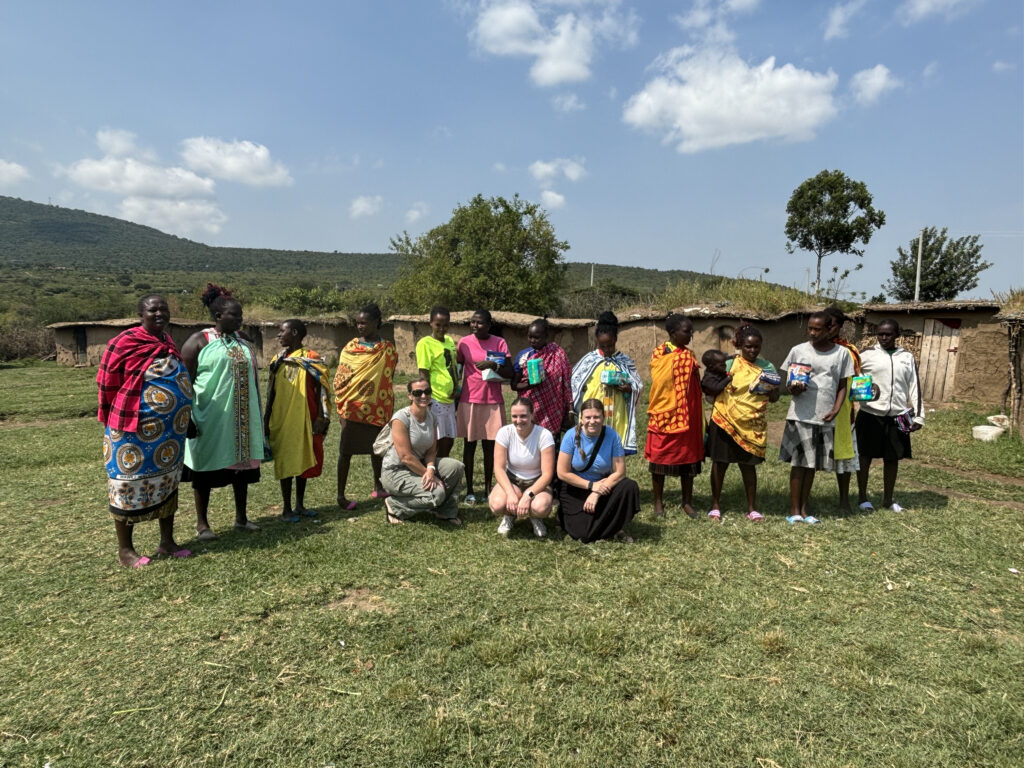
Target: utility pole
[
  {"x": 591, "y": 274},
  {"x": 917, "y": 280}
]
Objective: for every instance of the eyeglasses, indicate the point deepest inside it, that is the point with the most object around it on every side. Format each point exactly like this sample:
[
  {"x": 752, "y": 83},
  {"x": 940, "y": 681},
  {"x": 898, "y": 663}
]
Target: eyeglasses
[{"x": 421, "y": 392}]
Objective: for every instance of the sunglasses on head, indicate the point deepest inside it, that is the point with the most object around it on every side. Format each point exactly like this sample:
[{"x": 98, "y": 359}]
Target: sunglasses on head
[{"x": 421, "y": 392}]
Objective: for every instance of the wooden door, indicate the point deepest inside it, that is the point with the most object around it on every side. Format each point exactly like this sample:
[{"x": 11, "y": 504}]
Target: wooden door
[{"x": 939, "y": 347}]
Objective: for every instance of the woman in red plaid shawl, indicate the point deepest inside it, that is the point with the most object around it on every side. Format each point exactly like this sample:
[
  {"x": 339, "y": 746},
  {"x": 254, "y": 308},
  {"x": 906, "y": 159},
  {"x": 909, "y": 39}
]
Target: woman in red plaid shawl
[
  {"x": 552, "y": 397},
  {"x": 145, "y": 401}
]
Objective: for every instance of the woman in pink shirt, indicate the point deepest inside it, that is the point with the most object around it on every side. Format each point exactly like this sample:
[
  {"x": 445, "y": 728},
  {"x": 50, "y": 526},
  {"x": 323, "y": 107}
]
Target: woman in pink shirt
[{"x": 481, "y": 410}]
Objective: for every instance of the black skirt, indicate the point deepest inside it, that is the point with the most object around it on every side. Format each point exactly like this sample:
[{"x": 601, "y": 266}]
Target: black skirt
[
  {"x": 218, "y": 478},
  {"x": 724, "y": 450},
  {"x": 878, "y": 437},
  {"x": 614, "y": 511}
]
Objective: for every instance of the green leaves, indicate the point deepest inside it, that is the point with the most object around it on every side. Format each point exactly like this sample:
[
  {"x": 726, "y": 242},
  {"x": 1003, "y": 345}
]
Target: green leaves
[{"x": 948, "y": 267}]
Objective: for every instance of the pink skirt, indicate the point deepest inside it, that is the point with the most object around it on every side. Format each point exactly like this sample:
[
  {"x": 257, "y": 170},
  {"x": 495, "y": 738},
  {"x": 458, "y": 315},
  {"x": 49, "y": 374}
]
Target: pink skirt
[{"x": 479, "y": 421}]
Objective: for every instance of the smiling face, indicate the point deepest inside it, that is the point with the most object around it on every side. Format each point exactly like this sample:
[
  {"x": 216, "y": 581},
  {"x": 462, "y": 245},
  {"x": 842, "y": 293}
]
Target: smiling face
[
  {"x": 750, "y": 348},
  {"x": 606, "y": 344},
  {"x": 155, "y": 315},
  {"x": 479, "y": 326},
  {"x": 366, "y": 325},
  {"x": 592, "y": 420},
  {"x": 522, "y": 418},
  {"x": 439, "y": 326},
  {"x": 229, "y": 318}
]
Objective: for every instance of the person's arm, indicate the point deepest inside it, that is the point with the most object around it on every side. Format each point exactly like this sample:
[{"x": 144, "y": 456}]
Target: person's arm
[
  {"x": 604, "y": 487},
  {"x": 547, "y": 470},
  {"x": 914, "y": 396},
  {"x": 840, "y": 396},
  {"x": 190, "y": 352},
  {"x": 500, "y": 475}
]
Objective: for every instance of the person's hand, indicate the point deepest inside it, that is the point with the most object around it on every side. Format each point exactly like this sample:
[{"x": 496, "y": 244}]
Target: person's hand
[
  {"x": 321, "y": 425},
  {"x": 915, "y": 426},
  {"x": 602, "y": 487},
  {"x": 875, "y": 392},
  {"x": 512, "y": 501},
  {"x": 523, "y": 510},
  {"x": 590, "y": 505},
  {"x": 484, "y": 365},
  {"x": 830, "y": 415},
  {"x": 430, "y": 479},
  {"x": 797, "y": 387},
  {"x": 625, "y": 388}
]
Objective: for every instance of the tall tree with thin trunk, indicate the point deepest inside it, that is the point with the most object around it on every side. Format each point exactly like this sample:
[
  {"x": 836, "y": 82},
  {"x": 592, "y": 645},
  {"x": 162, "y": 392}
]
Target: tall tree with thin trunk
[
  {"x": 948, "y": 267},
  {"x": 828, "y": 214}
]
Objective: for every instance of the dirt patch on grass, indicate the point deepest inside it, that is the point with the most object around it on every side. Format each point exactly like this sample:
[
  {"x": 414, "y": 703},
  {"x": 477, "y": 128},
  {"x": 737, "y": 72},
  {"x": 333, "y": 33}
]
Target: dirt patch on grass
[
  {"x": 952, "y": 493},
  {"x": 362, "y": 600},
  {"x": 972, "y": 474}
]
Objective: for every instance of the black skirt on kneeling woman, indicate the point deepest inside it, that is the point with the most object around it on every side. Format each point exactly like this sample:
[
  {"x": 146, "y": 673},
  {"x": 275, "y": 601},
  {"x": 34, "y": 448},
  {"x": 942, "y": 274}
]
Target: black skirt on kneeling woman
[{"x": 614, "y": 511}]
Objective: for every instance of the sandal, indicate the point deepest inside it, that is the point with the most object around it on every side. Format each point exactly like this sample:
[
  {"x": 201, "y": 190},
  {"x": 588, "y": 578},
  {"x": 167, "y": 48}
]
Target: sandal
[
  {"x": 867, "y": 506},
  {"x": 390, "y": 516},
  {"x": 756, "y": 516},
  {"x": 470, "y": 500},
  {"x": 376, "y": 495},
  {"x": 811, "y": 520},
  {"x": 206, "y": 534},
  {"x": 715, "y": 514},
  {"x": 624, "y": 537},
  {"x": 180, "y": 552},
  {"x": 289, "y": 518},
  {"x": 248, "y": 525},
  {"x": 795, "y": 519}
]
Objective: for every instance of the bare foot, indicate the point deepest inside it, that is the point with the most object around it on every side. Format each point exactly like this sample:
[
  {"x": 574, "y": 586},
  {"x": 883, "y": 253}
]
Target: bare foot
[
  {"x": 659, "y": 509},
  {"x": 690, "y": 512},
  {"x": 129, "y": 558}
]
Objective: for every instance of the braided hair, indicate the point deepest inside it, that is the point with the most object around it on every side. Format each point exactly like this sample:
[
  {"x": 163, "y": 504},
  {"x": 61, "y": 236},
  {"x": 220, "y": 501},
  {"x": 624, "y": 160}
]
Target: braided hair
[
  {"x": 215, "y": 297},
  {"x": 607, "y": 323},
  {"x": 588, "y": 405}
]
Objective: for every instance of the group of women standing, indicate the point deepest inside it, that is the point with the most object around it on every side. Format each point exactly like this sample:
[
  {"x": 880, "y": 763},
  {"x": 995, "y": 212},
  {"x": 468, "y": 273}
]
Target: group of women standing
[{"x": 197, "y": 416}]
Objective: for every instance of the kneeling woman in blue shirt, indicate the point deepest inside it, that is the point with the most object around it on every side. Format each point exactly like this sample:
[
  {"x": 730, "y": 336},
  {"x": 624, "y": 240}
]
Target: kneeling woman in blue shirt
[{"x": 597, "y": 500}]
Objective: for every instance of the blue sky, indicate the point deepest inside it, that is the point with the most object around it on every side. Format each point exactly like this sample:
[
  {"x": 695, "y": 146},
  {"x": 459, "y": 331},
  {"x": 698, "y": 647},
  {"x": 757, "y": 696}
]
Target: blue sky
[{"x": 659, "y": 134}]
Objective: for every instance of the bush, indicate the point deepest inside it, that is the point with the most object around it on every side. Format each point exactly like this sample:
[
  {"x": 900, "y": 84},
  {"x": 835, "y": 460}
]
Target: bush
[{"x": 20, "y": 340}]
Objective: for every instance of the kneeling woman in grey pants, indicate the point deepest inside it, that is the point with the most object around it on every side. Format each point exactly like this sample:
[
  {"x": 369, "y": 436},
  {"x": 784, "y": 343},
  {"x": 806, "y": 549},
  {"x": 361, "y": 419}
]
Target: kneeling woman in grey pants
[{"x": 416, "y": 480}]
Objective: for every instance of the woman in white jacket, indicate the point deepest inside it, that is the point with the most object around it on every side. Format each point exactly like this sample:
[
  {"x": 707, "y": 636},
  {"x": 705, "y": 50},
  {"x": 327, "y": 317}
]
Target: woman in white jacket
[{"x": 880, "y": 434}]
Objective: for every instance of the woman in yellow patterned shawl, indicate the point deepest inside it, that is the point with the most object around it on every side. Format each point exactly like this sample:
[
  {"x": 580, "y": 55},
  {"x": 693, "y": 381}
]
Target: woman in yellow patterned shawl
[
  {"x": 738, "y": 433},
  {"x": 364, "y": 393}
]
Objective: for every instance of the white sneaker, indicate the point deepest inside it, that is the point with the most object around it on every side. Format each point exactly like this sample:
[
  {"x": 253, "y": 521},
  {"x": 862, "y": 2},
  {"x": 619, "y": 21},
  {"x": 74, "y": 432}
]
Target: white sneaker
[
  {"x": 505, "y": 528},
  {"x": 539, "y": 529}
]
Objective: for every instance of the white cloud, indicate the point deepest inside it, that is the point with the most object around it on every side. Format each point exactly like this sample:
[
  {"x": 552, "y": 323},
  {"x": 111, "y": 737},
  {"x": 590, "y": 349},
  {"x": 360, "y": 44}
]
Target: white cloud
[
  {"x": 365, "y": 205},
  {"x": 913, "y": 11},
  {"x": 839, "y": 16},
  {"x": 242, "y": 161},
  {"x": 930, "y": 70},
  {"x": 568, "y": 102},
  {"x": 180, "y": 217},
  {"x": 869, "y": 85},
  {"x": 116, "y": 142},
  {"x": 547, "y": 172},
  {"x": 551, "y": 199},
  {"x": 416, "y": 212},
  {"x": 709, "y": 16},
  {"x": 562, "y": 45},
  {"x": 128, "y": 176},
  {"x": 709, "y": 97},
  {"x": 498, "y": 167},
  {"x": 12, "y": 174},
  {"x": 1003, "y": 66}
]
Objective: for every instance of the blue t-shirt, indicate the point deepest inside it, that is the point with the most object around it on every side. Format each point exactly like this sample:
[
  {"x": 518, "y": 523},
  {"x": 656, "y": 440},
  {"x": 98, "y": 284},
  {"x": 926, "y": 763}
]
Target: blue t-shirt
[{"x": 611, "y": 448}]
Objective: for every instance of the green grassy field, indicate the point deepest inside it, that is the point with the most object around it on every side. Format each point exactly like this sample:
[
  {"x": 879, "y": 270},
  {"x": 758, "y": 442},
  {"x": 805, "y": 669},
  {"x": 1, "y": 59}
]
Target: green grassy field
[{"x": 870, "y": 640}]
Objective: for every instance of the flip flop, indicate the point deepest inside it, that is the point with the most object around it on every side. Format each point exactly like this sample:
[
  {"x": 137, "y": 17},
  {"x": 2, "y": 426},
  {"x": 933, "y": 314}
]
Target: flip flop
[
  {"x": 795, "y": 519},
  {"x": 141, "y": 562},
  {"x": 348, "y": 507},
  {"x": 811, "y": 520},
  {"x": 390, "y": 516},
  {"x": 756, "y": 516},
  {"x": 381, "y": 495},
  {"x": 715, "y": 514},
  {"x": 289, "y": 518},
  {"x": 248, "y": 525},
  {"x": 312, "y": 512},
  {"x": 896, "y": 507},
  {"x": 867, "y": 506},
  {"x": 161, "y": 552},
  {"x": 206, "y": 534},
  {"x": 470, "y": 500}
]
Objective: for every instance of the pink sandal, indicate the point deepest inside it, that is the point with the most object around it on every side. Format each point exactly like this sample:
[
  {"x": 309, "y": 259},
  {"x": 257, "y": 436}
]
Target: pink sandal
[
  {"x": 715, "y": 514},
  {"x": 756, "y": 516}
]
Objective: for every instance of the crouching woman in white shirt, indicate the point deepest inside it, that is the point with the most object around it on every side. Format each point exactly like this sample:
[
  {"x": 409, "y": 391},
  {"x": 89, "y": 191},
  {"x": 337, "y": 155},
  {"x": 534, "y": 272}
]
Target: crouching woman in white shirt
[{"x": 524, "y": 467}]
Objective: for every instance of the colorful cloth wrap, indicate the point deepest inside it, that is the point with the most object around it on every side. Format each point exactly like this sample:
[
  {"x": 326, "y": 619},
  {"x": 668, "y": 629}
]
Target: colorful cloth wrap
[
  {"x": 144, "y": 466},
  {"x": 741, "y": 414},
  {"x": 298, "y": 395},
  {"x": 121, "y": 375},
  {"x": 363, "y": 382},
  {"x": 675, "y": 418},
  {"x": 619, "y": 407},
  {"x": 844, "y": 448},
  {"x": 226, "y": 408},
  {"x": 552, "y": 398}
]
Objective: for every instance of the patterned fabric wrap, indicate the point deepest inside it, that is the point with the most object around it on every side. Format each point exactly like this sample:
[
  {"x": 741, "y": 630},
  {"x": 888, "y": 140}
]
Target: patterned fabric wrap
[
  {"x": 619, "y": 407},
  {"x": 845, "y": 445},
  {"x": 297, "y": 395},
  {"x": 671, "y": 370},
  {"x": 363, "y": 383},
  {"x": 144, "y": 466},
  {"x": 121, "y": 375},
  {"x": 552, "y": 398},
  {"x": 741, "y": 414},
  {"x": 226, "y": 407}
]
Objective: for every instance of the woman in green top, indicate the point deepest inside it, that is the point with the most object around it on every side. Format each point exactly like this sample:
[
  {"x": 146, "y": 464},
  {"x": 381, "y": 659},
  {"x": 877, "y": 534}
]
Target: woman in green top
[
  {"x": 226, "y": 445},
  {"x": 436, "y": 359}
]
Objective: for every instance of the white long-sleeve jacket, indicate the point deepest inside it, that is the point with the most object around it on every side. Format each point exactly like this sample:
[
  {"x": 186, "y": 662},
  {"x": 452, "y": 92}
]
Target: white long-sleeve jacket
[{"x": 898, "y": 384}]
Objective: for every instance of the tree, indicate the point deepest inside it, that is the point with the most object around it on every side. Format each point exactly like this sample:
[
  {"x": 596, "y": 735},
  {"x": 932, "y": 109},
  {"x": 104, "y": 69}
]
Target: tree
[
  {"x": 948, "y": 267},
  {"x": 828, "y": 214},
  {"x": 493, "y": 253}
]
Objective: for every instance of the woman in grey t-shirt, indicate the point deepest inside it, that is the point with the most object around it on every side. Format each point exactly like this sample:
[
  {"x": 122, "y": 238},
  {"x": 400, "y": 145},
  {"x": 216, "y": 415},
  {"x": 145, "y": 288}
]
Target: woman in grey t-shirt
[{"x": 415, "y": 478}]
